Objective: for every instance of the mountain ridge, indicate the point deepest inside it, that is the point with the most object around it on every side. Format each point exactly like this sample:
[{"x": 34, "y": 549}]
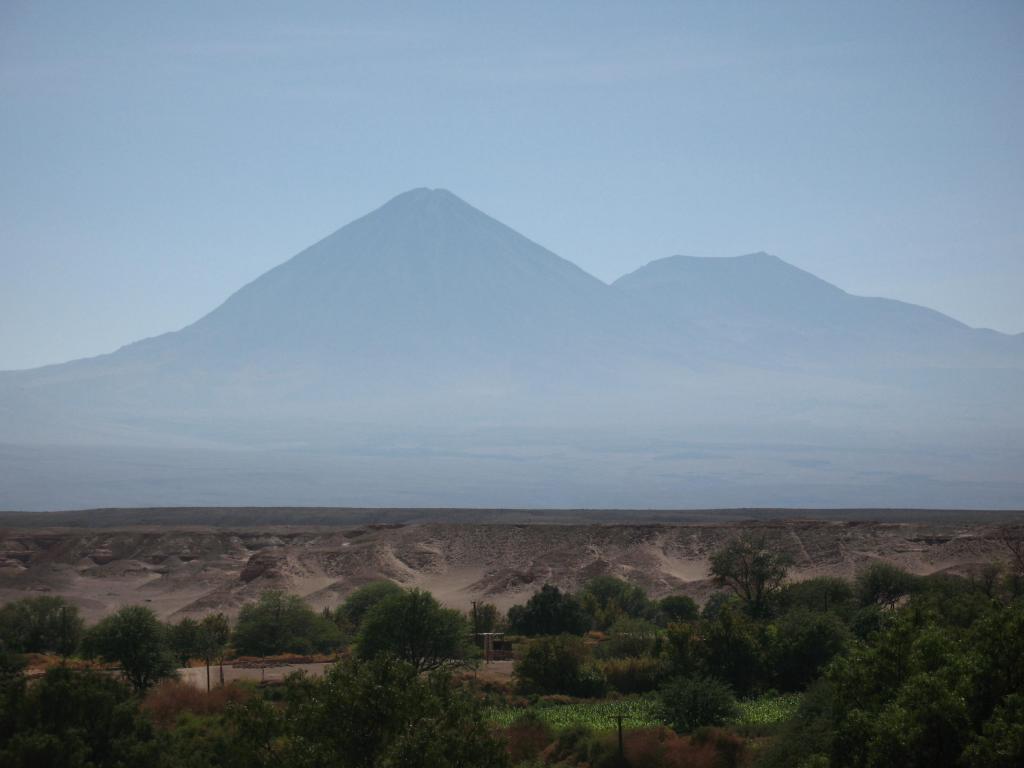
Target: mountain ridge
[{"x": 428, "y": 336}]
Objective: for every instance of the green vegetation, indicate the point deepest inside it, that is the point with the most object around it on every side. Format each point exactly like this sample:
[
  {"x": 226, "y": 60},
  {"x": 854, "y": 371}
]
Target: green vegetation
[
  {"x": 549, "y": 612},
  {"x": 689, "y": 703},
  {"x": 281, "y": 623},
  {"x": 888, "y": 670},
  {"x": 599, "y": 715},
  {"x": 40, "y": 625},
  {"x": 751, "y": 569},
  {"x": 413, "y": 627},
  {"x": 135, "y": 639},
  {"x": 558, "y": 664}
]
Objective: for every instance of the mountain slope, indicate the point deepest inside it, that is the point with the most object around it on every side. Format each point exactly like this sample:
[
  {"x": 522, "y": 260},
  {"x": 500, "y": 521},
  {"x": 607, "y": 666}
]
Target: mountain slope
[
  {"x": 426, "y": 295},
  {"x": 426, "y": 354},
  {"x": 780, "y": 313}
]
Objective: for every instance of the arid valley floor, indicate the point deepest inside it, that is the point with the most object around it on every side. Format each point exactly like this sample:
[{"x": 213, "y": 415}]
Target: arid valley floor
[{"x": 191, "y": 561}]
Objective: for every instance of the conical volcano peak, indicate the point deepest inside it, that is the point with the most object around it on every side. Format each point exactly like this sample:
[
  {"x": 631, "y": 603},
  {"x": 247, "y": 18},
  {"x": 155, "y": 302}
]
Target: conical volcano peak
[{"x": 425, "y": 200}]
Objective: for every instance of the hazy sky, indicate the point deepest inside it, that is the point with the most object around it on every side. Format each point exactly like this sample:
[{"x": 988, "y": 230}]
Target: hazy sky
[{"x": 154, "y": 159}]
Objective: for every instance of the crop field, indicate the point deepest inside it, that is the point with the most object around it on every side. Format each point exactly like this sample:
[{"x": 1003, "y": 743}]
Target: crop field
[
  {"x": 768, "y": 709},
  {"x": 638, "y": 712}
]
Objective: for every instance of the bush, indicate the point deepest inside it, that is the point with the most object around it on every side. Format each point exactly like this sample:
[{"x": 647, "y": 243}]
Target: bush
[
  {"x": 281, "y": 623},
  {"x": 804, "y": 643},
  {"x": 690, "y": 703},
  {"x": 559, "y": 664},
  {"x": 43, "y": 624},
  {"x": 608, "y": 599},
  {"x": 169, "y": 699},
  {"x": 412, "y": 626},
  {"x": 884, "y": 584},
  {"x": 527, "y": 737},
  {"x": 733, "y": 650},
  {"x": 630, "y": 638},
  {"x": 368, "y": 713},
  {"x": 634, "y": 675},
  {"x": 72, "y": 718},
  {"x": 349, "y": 615},
  {"x": 548, "y": 612},
  {"x": 824, "y": 594},
  {"x": 135, "y": 639},
  {"x": 676, "y": 608}
]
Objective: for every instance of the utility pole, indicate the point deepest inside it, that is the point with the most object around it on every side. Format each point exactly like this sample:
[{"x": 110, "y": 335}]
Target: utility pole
[{"x": 622, "y": 752}]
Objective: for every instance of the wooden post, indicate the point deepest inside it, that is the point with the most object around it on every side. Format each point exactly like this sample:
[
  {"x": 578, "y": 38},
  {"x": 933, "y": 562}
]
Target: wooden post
[{"x": 622, "y": 752}]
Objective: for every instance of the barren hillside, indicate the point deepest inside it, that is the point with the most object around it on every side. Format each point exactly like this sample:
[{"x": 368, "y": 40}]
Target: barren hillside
[{"x": 192, "y": 569}]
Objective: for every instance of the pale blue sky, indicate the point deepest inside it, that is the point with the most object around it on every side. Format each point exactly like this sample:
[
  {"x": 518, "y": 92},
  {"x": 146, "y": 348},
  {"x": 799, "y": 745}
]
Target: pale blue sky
[{"x": 154, "y": 159}]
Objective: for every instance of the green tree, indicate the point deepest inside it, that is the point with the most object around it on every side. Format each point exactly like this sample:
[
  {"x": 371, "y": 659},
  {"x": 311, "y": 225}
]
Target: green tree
[
  {"x": 733, "y": 649},
  {"x": 485, "y": 617},
  {"x": 183, "y": 639},
  {"x": 803, "y": 643},
  {"x": 676, "y": 608},
  {"x": 370, "y": 713},
  {"x": 415, "y": 628},
  {"x": 607, "y": 599},
  {"x": 548, "y": 612},
  {"x": 44, "y": 624},
  {"x": 630, "y": 637},
  {"x": 823, "y": 594},
  {"x": 135, "y": 639},
  {"x": 751, "y": 569},
  {"x": 73, "y": 719},
  {"x": 282, "y": 623},
  {"x": 686, "y": 704},
  {"x": 359, "y": 602},
  {"x": 212, "y": 637},
  {"x": 884, "y": 584},
  {"x": 558, "y": 664}
]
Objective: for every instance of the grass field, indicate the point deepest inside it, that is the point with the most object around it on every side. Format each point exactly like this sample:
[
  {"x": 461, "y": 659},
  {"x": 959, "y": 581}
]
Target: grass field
[{"x": 639, "y": 712}]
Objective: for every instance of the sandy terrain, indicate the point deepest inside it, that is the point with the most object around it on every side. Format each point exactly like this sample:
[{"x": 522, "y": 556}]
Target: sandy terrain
[{"x": 192, "y": 569}]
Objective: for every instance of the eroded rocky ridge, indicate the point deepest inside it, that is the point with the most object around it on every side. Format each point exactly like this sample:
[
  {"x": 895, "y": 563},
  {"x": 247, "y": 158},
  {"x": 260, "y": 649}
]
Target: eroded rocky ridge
[{"x": 182, "y": 571}]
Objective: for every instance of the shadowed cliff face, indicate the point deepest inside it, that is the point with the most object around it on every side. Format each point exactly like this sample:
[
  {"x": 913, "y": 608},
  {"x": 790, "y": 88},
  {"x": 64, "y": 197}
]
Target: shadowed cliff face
[
  {"x": 428, "y": 331},
  {"x": 191, "y": 570}
]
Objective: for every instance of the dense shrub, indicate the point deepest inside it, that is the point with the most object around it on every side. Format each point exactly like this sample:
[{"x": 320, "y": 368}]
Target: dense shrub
[
  {"x": 630, "y": 637},
  {"x": 527, "y": 737},
  {"x": 823, "y": 594},
  {"x": 607, "y": 600},
  {"x": 71, "y": 718},
  {"x": 733, "y": 649},
  {"x": 349, "y": 615},
  {"x": 165, "y": 702},
  {"x": 676, "y": 608},
  {"x": 634, "y": 675},
  {"x": 803, "y": 643},
  {"x": 364, "y": 714},
  {"x": 44, "y": 624},
  {"x": 412, "y": 626},
  {"x": 135, "y": 639},
  {"x": 884, "y": 584},
  {"x": 548, "y": 612},
  {"x": 690, "y": 703},
  {"x": 559, "y": 664},
  {"x": 282, "y": 623}
]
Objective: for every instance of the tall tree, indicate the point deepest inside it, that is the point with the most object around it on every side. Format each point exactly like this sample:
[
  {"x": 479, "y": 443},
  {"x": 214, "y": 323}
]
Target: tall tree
[
  {"x": 549, "y": 612},
  {"x": 415, "y": 628},
  {"x": 751, "y": 569},
  {"x": 212, "y": 638},
  {"x": 44, "y": 624},
  {"x": 134, "y": 638}
]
